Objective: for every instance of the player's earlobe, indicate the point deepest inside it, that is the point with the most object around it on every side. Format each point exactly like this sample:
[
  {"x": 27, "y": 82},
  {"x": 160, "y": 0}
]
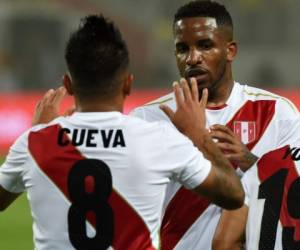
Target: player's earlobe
[
  {"x": 67, "y": 82},
  {"x": 127, "y": 84},
  {"x": 231, "y": 50}
]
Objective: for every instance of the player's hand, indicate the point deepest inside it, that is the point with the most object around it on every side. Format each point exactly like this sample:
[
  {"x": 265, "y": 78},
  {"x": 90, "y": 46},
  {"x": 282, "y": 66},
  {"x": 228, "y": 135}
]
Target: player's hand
[
  {"x": 47, "y": 108},
  {"x": 189, "y": 118},
  {"x": 235, "y": 151}
]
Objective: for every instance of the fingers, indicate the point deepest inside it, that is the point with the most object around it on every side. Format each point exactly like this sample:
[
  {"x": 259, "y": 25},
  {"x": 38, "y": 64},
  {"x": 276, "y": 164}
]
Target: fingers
[
  {"x": 194, "y": 88},
  {"x": 58, "y": 95},
  {"x": 167, "y": 110},
  {"x": 48, "y": 96},
  {"x": 47, "y": 108},
  {"x": 227, "y": 147},
  {"x": 186, "y": 90},
  {"x": 204, "y": 98},
  {"x": 222, "y": 128},
  {"x": 178, "y": 94},
  {"x": 222, "y": 136}
]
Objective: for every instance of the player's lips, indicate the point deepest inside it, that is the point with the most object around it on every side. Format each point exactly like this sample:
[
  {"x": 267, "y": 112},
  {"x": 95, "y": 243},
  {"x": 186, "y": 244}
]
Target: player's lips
[{"x": 199, "y": 73}]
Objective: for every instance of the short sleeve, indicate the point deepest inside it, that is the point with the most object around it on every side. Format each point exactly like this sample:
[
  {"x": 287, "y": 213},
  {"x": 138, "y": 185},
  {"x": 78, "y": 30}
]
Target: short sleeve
[
  {"x": 138, "y": 112},
  {"x": 285, "y": 122},
  {"x": 285, "y": 109},
  {"x": 246, "y": 189},
  {"x": 190, "y": 166},
  {"x": 151, "y": 113},
  {"x": 249, "y": 182},
  {"x": 288, "y": 129},
  {"x": 12, "y": 169}
]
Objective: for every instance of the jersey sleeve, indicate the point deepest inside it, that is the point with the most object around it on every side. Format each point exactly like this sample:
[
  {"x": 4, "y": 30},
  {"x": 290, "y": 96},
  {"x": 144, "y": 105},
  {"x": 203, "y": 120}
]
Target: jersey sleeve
[
  {"x": 249, "y": 182},
  {"x": 285, "y": 123},
  {"x": 190, "y": 166},
  {"x": 150, "y": 113},
  {"x": 289, "y": 131},
  {"x": 246, "y": 189},
  {"x": 285, "y": 109},
  {"x": 138, "y": 112},
  {"x": 13, "y": 168}
]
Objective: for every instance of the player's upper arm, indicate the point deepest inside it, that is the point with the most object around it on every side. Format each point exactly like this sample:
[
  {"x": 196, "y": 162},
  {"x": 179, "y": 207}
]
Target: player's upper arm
[{"x": 12, "y": 171}]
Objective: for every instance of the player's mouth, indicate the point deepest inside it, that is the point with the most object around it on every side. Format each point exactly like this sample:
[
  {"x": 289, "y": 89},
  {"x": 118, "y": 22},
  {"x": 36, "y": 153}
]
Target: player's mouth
[{"x": 199, "y": 73}]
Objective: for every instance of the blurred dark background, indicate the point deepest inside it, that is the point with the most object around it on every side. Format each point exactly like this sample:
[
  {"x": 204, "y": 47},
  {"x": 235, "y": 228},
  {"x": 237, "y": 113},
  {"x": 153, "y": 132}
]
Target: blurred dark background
[{"x": 33, "y": 35}]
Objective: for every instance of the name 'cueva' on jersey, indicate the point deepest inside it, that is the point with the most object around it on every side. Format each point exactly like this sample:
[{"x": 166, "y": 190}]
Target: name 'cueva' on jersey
[{"x": 90, "y": 137}]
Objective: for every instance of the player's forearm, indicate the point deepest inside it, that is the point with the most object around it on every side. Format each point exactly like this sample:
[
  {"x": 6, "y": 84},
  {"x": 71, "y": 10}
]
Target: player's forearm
[
  {"x": 210, "y": 150},
  {"x": 229, "y": 192}
]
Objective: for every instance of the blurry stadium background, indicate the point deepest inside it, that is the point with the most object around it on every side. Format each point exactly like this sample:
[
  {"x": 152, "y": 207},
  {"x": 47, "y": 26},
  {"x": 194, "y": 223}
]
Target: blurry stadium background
[{"x": 32, "y": 40}]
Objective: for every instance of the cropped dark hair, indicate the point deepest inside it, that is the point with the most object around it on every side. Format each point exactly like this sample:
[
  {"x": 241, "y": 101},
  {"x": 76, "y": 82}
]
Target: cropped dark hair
[
  {"x": 205, "y": 8},
  {"x": 95, "y": 54}
]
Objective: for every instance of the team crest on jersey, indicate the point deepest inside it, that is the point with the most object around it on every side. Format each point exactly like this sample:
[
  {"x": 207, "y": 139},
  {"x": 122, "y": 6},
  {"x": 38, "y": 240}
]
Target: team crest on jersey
[{"x": 246, "y": 131}]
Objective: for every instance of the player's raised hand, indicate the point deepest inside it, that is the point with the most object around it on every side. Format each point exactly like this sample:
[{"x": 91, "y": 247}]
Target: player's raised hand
[
  {"x": 189, "y": 118},
  {"x": 47, "y": 108},
  {"x": 232, "y": 147}
]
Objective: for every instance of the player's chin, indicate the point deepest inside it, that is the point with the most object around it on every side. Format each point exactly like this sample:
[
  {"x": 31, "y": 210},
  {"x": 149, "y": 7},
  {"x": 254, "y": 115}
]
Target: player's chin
[{"x": 203, "y": 84}]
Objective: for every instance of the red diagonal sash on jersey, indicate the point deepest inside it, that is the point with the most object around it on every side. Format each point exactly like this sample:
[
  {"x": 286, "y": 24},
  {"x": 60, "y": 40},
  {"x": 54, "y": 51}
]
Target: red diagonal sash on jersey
[
  {"x": 268, "y": 165},
  {"x": 185, "y": 207},
  {"x": 56, "y": 161}
]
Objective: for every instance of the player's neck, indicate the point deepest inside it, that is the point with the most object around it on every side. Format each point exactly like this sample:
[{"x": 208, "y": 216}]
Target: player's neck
[
  {"x": 106, "y": 105},
  {"x": 219, "y": 96}
]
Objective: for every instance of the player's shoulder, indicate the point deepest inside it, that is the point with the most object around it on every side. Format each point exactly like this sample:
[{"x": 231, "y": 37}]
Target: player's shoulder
[
  {"x": 136, "y": 123},
  {"x": 167, "y": 99},
  {"x": 151, "y": 111},
  {"x": 258, "y": 94}
]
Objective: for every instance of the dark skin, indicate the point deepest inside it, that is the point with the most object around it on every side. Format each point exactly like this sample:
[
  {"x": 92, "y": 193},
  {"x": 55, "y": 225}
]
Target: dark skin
[
  {"x": 230, "y": 232},
  {"x": 206, "y": 51}
]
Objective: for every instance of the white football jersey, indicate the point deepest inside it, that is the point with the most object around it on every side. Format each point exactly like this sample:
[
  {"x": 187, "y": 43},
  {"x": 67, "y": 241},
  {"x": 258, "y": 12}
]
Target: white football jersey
[
  {"x": 189, "y": 222},
  {"x": 98, "y": 180},
  {"x": 272, "y": 189}
]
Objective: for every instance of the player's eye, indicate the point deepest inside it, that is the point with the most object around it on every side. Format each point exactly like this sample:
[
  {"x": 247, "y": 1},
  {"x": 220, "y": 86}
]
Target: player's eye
[
  {"x": 205, "y": 44},
  {"x": 181, "y": 48}
]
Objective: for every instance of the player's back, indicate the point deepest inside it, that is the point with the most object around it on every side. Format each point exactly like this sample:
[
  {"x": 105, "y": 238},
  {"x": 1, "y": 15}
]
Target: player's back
[
  {"x": 272, "y": 190},
  {"x": 107, "y": 167}
]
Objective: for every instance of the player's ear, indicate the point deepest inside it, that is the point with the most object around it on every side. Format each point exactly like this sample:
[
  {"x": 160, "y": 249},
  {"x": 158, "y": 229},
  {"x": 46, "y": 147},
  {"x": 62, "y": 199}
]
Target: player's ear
[
  {"x": 67, "y": 82},
  {"x": 231, "y": 50},
  {"x": 127, "y": 83}
]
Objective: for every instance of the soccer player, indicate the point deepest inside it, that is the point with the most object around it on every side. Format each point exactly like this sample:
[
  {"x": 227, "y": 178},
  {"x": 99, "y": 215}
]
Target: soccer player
[
  {"x": 97, "y": 179},
  {"x": 241, "y": 118},
  {"x": 270, "y": 216}
]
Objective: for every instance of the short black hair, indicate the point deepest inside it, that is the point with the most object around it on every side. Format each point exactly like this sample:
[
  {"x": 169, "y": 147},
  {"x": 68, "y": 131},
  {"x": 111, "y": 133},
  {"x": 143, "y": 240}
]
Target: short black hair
[
  {"x": 95, "y": 54},
  {"x": 205, "y": 8}
]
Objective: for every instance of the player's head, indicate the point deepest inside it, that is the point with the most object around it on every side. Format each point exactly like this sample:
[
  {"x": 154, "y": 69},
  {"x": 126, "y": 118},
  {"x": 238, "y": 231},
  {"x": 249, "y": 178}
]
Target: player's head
[
  {"x": 97, "y": 59},
  {"x": 203, "y": 35}
]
